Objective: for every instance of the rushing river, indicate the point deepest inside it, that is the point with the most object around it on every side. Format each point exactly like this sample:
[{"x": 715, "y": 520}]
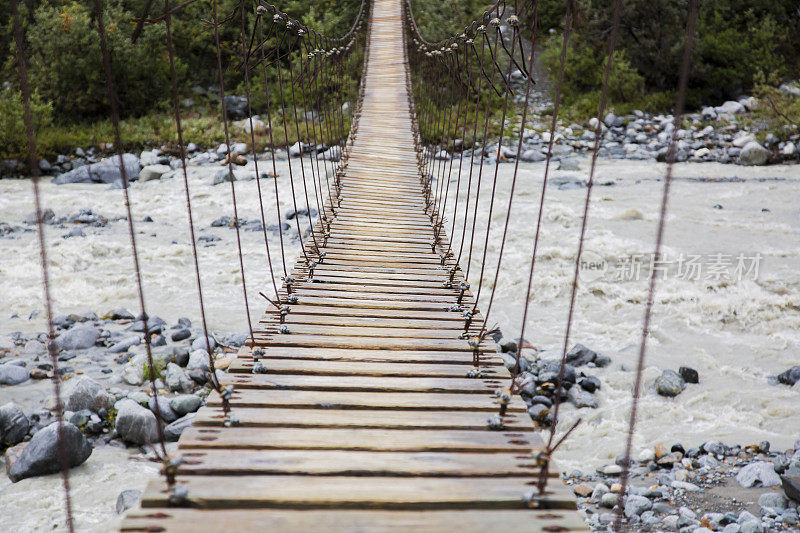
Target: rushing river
[{"x": 728, "y": 303}]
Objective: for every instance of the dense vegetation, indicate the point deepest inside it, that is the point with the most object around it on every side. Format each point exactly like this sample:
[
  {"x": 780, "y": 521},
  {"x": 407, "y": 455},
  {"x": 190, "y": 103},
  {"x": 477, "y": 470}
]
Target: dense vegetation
[
  {"x": 66, "y": 69},
  {"x": 739, "y": 44},
  {"x": 742, "y": 47}
]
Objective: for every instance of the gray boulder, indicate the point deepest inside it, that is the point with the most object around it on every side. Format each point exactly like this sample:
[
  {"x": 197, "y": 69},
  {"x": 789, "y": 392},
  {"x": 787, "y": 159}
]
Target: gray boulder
[
  {"x": 41, "y": 456},
  {"x": 86, "y": 393},
  {"x": 580, "y": 355},
  {"x": 11, "y": 374},
  {"x": 78, "y": 338},
  {"x": 177, "y": 379},
  {"x": 136, "y": 424},
  {"x": 121, "y": 313},
  {"x": 235, "y": 339},
  {"x": 669, "y": 384},
  {"x": 760, "y": 473},
  {"x": 107, "y": 171},
  {"x": 181, "y": 334},
  {"x": 185, "y": 404},
  {"x": 636, "y": 505},
  {"x": 790, "y": 377},
  {"x": 47, "y": 216},
  {"x": 127, "y": 499},
  {"x": 14, "y": 425},
  {"x": 532, "y": 155},
  {"x": 773, "y": 500},
  {"x": 154, "y": 172},
  {"x": 198, "y": 360},
  {"x": 125, "y": 344},
  {"x": 753, "y": 154},
  {"x": 164, "y": 409},
  {"x": 173, "y": 431},
  {"x": 791, "y": 487},
  {"x": 580, "y": 398},
  {"x": 569, "y": 163},
  {"x": 200, "y": 342}
]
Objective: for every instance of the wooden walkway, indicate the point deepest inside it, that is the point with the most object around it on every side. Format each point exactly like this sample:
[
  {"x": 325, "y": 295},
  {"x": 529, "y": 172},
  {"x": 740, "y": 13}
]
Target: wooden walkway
[{"x": 366, "y": 419}]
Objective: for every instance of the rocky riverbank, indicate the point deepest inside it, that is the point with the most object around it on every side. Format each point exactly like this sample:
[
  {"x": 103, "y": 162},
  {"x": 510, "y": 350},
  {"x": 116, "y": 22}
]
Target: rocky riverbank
[
  {"x": 728, "y": 133},
  {"x": 106, "y": 390},
  {"x": 713, "y": 487}
]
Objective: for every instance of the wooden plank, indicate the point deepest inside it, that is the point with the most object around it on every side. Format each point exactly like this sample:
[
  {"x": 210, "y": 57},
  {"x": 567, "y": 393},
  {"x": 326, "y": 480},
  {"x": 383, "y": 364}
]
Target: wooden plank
[
  {"x": 347, "y": 368},
  {"x": 365, "y": 343},
  {"x": 461, "y": 385},
  {"x": 380, "y": 440},
  {"x": 319, "y": 492},
  {"x": 310, "y": 309},
  {"x": 180, "y": 520},
  {"x": 398, "y": 401},
  {"x": 355, "y": 463},
  {"x": 455, "y": 327},
  {"x": 328, "y": 353},
  {"x": 296, "y": 328},
  {"x": 363, "y": 419},
  {"x": 355, "y": 294}
]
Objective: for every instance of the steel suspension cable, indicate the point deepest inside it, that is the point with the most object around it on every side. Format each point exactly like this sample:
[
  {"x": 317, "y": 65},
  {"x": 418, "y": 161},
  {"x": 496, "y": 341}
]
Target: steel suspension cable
[
  {"x": 231, "y": 176},
  {"x": 112, "y": 97},
  {"x": 680, "y": 103},
  {"x": 182, "y": 147},
  {"x": 27, "y": 115},
  {"x": 246, "y": 72},
  {"x": 485, "y": 140},
  {"x": 514, "y": 23},
  {"x": 585, "y": 219},
  {"x": 286, "y": 139},
  {"x": 271, "y": 139}
]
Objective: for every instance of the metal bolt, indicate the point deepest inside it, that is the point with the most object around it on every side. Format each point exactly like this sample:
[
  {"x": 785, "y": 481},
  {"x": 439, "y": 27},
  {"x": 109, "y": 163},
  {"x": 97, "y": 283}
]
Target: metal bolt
[{"x": 178, "y": 495}]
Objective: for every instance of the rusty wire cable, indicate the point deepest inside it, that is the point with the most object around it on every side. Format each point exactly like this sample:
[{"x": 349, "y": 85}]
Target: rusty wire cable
[
  {"x": 680, "y": 103},
  {"x": 182, "y": 147},
  {"x": 27, "y": 115},
  {"x": 231, "y": 176},
  {"x": 113, "y": 101},
  {"x": 246, "y": 75}
]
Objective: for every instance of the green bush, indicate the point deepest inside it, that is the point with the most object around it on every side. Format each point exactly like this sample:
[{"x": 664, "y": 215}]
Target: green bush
[
  {"x": 776, "y": 111},
  {"x": 734, "y": 40},
  {"x": 583, "y": 76},
  {"x": 66, "y": 63},
  {"x": 13, "y": 136}
]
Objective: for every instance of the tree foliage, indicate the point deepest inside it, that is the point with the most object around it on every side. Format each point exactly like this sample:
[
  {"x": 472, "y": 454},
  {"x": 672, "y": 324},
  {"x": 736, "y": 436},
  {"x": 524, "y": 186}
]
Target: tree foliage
[
  {"x": 66, "y": 63},
  {"x": 735, "y": 40}
]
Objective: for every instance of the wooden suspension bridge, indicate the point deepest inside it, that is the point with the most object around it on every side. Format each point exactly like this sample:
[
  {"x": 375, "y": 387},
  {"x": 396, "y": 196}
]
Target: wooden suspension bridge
[{"x": 366, "y": 419}]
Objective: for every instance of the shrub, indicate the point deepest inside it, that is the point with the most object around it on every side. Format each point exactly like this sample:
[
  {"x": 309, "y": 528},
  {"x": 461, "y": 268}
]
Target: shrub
[
  {"x": 157, "y": 372},
  {"x": 583, "y": 76},
  {"x": 67, "y": 66},
  {"x": 13, "y": 137},
  {"x": 777, "y": 111}
]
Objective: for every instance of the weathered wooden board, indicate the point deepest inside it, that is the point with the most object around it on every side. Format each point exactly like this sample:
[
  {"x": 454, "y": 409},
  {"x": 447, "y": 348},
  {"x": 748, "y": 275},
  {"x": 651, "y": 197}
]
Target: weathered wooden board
[
  {"x": 461, "y": 385},
  {"x": 310, "y": 492},
  {"x": 350, "y": 463},
  {"x": 366, "y": 343},
  {"x": 346, "y": 368},
  {"x": 376, "y": 356},
  {"x": 401, "y": 401},
  {"x": 364, "y": 418},
  {"x": 417, "y": 521}
]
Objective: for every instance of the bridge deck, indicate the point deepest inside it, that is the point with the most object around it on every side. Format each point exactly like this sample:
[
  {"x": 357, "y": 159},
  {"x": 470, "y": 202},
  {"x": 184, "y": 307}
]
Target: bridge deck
[{"x": 366, "y": 420}]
